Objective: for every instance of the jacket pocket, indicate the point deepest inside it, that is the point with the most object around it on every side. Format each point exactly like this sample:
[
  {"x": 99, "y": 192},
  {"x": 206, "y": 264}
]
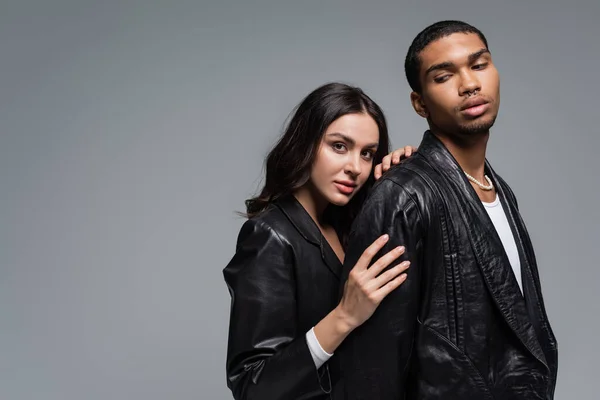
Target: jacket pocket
[{"x": 443, "y": 371}]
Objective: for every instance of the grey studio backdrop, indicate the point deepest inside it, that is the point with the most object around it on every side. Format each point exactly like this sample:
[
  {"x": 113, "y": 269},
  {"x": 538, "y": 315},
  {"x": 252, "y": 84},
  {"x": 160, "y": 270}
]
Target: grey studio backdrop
[{"x": 130, "y": 133}]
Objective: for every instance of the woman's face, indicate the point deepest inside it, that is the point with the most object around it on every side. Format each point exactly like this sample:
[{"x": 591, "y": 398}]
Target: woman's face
[{"x": 345, "y": 158}]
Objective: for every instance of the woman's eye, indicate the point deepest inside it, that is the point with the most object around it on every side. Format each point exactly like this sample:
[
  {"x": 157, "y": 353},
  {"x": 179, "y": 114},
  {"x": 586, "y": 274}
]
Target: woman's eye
[{"x": 339, "y": 146}]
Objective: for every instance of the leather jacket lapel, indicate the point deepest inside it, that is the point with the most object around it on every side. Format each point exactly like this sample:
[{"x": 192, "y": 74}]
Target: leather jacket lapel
[
  {"x": 485, "y": 243},
  {"x": 303, "y": 222}
]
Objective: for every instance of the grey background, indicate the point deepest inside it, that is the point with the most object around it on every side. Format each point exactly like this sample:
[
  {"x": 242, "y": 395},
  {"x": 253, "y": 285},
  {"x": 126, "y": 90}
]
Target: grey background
[{"x": 130, "y": 132}]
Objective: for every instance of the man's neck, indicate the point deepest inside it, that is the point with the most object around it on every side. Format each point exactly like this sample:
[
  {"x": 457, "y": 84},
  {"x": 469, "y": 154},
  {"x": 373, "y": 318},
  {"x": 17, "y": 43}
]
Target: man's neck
[{"x": 469, "y": 152}]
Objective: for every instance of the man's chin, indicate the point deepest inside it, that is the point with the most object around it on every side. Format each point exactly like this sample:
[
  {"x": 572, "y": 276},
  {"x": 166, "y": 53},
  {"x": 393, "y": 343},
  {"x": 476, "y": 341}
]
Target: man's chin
[{"x": 477, "y": 127}]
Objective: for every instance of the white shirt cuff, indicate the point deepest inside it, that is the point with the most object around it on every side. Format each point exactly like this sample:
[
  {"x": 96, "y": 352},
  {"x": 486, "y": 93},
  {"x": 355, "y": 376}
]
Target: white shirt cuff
[{"x": 319, "y": 355}]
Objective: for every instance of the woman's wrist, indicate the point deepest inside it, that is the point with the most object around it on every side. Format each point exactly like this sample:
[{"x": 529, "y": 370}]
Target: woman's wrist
[{"x": 344, "y": 323}]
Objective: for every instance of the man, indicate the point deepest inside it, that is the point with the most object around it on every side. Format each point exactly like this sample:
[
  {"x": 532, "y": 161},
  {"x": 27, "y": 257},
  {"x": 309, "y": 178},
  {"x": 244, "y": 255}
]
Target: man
[{"x": 469, "y": 322}]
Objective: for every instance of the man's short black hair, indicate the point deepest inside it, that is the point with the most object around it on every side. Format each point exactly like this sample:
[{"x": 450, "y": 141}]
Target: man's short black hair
[{"x": 412, "y": 63}]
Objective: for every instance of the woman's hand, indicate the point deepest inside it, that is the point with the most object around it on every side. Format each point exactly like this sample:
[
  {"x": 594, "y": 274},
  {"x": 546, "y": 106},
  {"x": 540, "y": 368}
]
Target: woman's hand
[
  {"x": 392, "y": 159},
  {"x": 367, "y": 287},
  {"x": 364, "y": 290}
]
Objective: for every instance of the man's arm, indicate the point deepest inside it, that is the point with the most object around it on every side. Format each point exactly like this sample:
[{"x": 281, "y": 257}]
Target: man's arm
[{"x": 375, "y": 357}]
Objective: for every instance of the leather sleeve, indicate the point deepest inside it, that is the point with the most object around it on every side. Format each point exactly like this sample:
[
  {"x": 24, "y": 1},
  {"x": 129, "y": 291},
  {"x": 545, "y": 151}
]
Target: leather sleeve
[
  {"x": 375, "y": 357},
  {"x": 266, "y": 357}
]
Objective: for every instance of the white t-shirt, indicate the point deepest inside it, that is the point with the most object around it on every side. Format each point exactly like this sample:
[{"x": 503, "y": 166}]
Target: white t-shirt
[{"x": 498, "y": 217}]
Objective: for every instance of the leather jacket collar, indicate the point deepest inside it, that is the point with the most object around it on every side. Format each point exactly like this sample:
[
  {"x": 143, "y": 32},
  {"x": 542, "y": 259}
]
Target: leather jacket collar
[{"x": 309, "y": 230}]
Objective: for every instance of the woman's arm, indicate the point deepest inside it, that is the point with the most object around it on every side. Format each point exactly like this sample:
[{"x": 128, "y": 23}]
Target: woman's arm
[{"x": 265, "y": 357}]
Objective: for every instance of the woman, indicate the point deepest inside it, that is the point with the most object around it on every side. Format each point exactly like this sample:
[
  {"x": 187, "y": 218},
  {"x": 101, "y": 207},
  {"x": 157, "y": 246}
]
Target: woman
[{"x": 286, "y": 317}]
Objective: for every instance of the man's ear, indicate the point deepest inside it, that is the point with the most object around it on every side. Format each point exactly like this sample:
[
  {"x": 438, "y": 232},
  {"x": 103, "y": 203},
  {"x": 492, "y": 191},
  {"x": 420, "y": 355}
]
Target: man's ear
[{"x": 418, "y": 104}]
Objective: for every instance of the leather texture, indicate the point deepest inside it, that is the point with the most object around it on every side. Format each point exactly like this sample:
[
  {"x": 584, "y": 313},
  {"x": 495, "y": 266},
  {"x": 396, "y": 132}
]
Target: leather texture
[
  {"x": 459, "y": 326},
  {"x": 283, "y": 279}
]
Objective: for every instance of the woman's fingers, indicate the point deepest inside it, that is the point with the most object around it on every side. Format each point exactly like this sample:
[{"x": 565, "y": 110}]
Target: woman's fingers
[
  {"x": 390, "y": 274},
  {"x": 365, "y": 259},
  {"x": 389, "y": 287},
  {"x": 384, "y": 261}
]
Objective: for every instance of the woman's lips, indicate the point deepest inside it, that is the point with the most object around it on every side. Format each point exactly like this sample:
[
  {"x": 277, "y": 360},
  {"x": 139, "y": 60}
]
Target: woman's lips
[{"x": 345, "y": 188}]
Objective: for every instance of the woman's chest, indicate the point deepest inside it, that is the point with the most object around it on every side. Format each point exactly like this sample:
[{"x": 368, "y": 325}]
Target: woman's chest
[{"x": 317, "y": 283}]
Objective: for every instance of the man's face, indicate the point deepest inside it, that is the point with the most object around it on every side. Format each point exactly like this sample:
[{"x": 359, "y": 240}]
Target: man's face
[{"x": 460, "y": 86}]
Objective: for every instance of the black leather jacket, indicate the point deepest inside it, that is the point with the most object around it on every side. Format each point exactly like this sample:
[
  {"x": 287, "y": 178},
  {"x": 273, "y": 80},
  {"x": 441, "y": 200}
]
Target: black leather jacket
[
  {"x": 283, "y": 280},
  {"x": 459, "y": 327}
]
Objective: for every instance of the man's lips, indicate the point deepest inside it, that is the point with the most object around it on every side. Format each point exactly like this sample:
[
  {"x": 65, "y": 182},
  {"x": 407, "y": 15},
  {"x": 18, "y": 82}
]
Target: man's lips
[
  {"x": 474, "y": 107},
  {"x": 473, "y": 103}
]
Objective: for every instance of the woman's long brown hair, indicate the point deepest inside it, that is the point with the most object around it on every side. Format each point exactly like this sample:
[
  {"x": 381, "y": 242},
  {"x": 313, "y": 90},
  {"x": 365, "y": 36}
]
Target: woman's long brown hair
[{"x": 288, "y": 165}]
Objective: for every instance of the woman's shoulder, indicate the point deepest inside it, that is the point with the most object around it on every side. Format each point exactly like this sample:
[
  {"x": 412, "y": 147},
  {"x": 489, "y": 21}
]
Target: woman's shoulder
[
  {"x": 263, "y": 246},
  {"x": 270, "y": 222}
]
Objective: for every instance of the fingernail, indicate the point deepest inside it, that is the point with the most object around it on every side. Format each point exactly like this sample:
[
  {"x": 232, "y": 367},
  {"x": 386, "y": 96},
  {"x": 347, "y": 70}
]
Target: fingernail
[
  {"x": 400, "y": 248},
  {"x": 385, "y": 237}
]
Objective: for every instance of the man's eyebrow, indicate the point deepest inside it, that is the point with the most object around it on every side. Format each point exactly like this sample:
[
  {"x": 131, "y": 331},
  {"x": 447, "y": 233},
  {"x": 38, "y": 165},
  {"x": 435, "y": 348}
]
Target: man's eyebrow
[
  {"x": 435, "y": 67},
  {"x": 448, "y": 64},
  {"x": 477, "y": 54}
]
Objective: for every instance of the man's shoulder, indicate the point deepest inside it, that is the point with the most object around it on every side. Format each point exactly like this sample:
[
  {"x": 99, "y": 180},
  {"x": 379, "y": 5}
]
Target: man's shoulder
[
  {"x": 406, "y": 186},
  {"x": 414, "y": 174}
]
